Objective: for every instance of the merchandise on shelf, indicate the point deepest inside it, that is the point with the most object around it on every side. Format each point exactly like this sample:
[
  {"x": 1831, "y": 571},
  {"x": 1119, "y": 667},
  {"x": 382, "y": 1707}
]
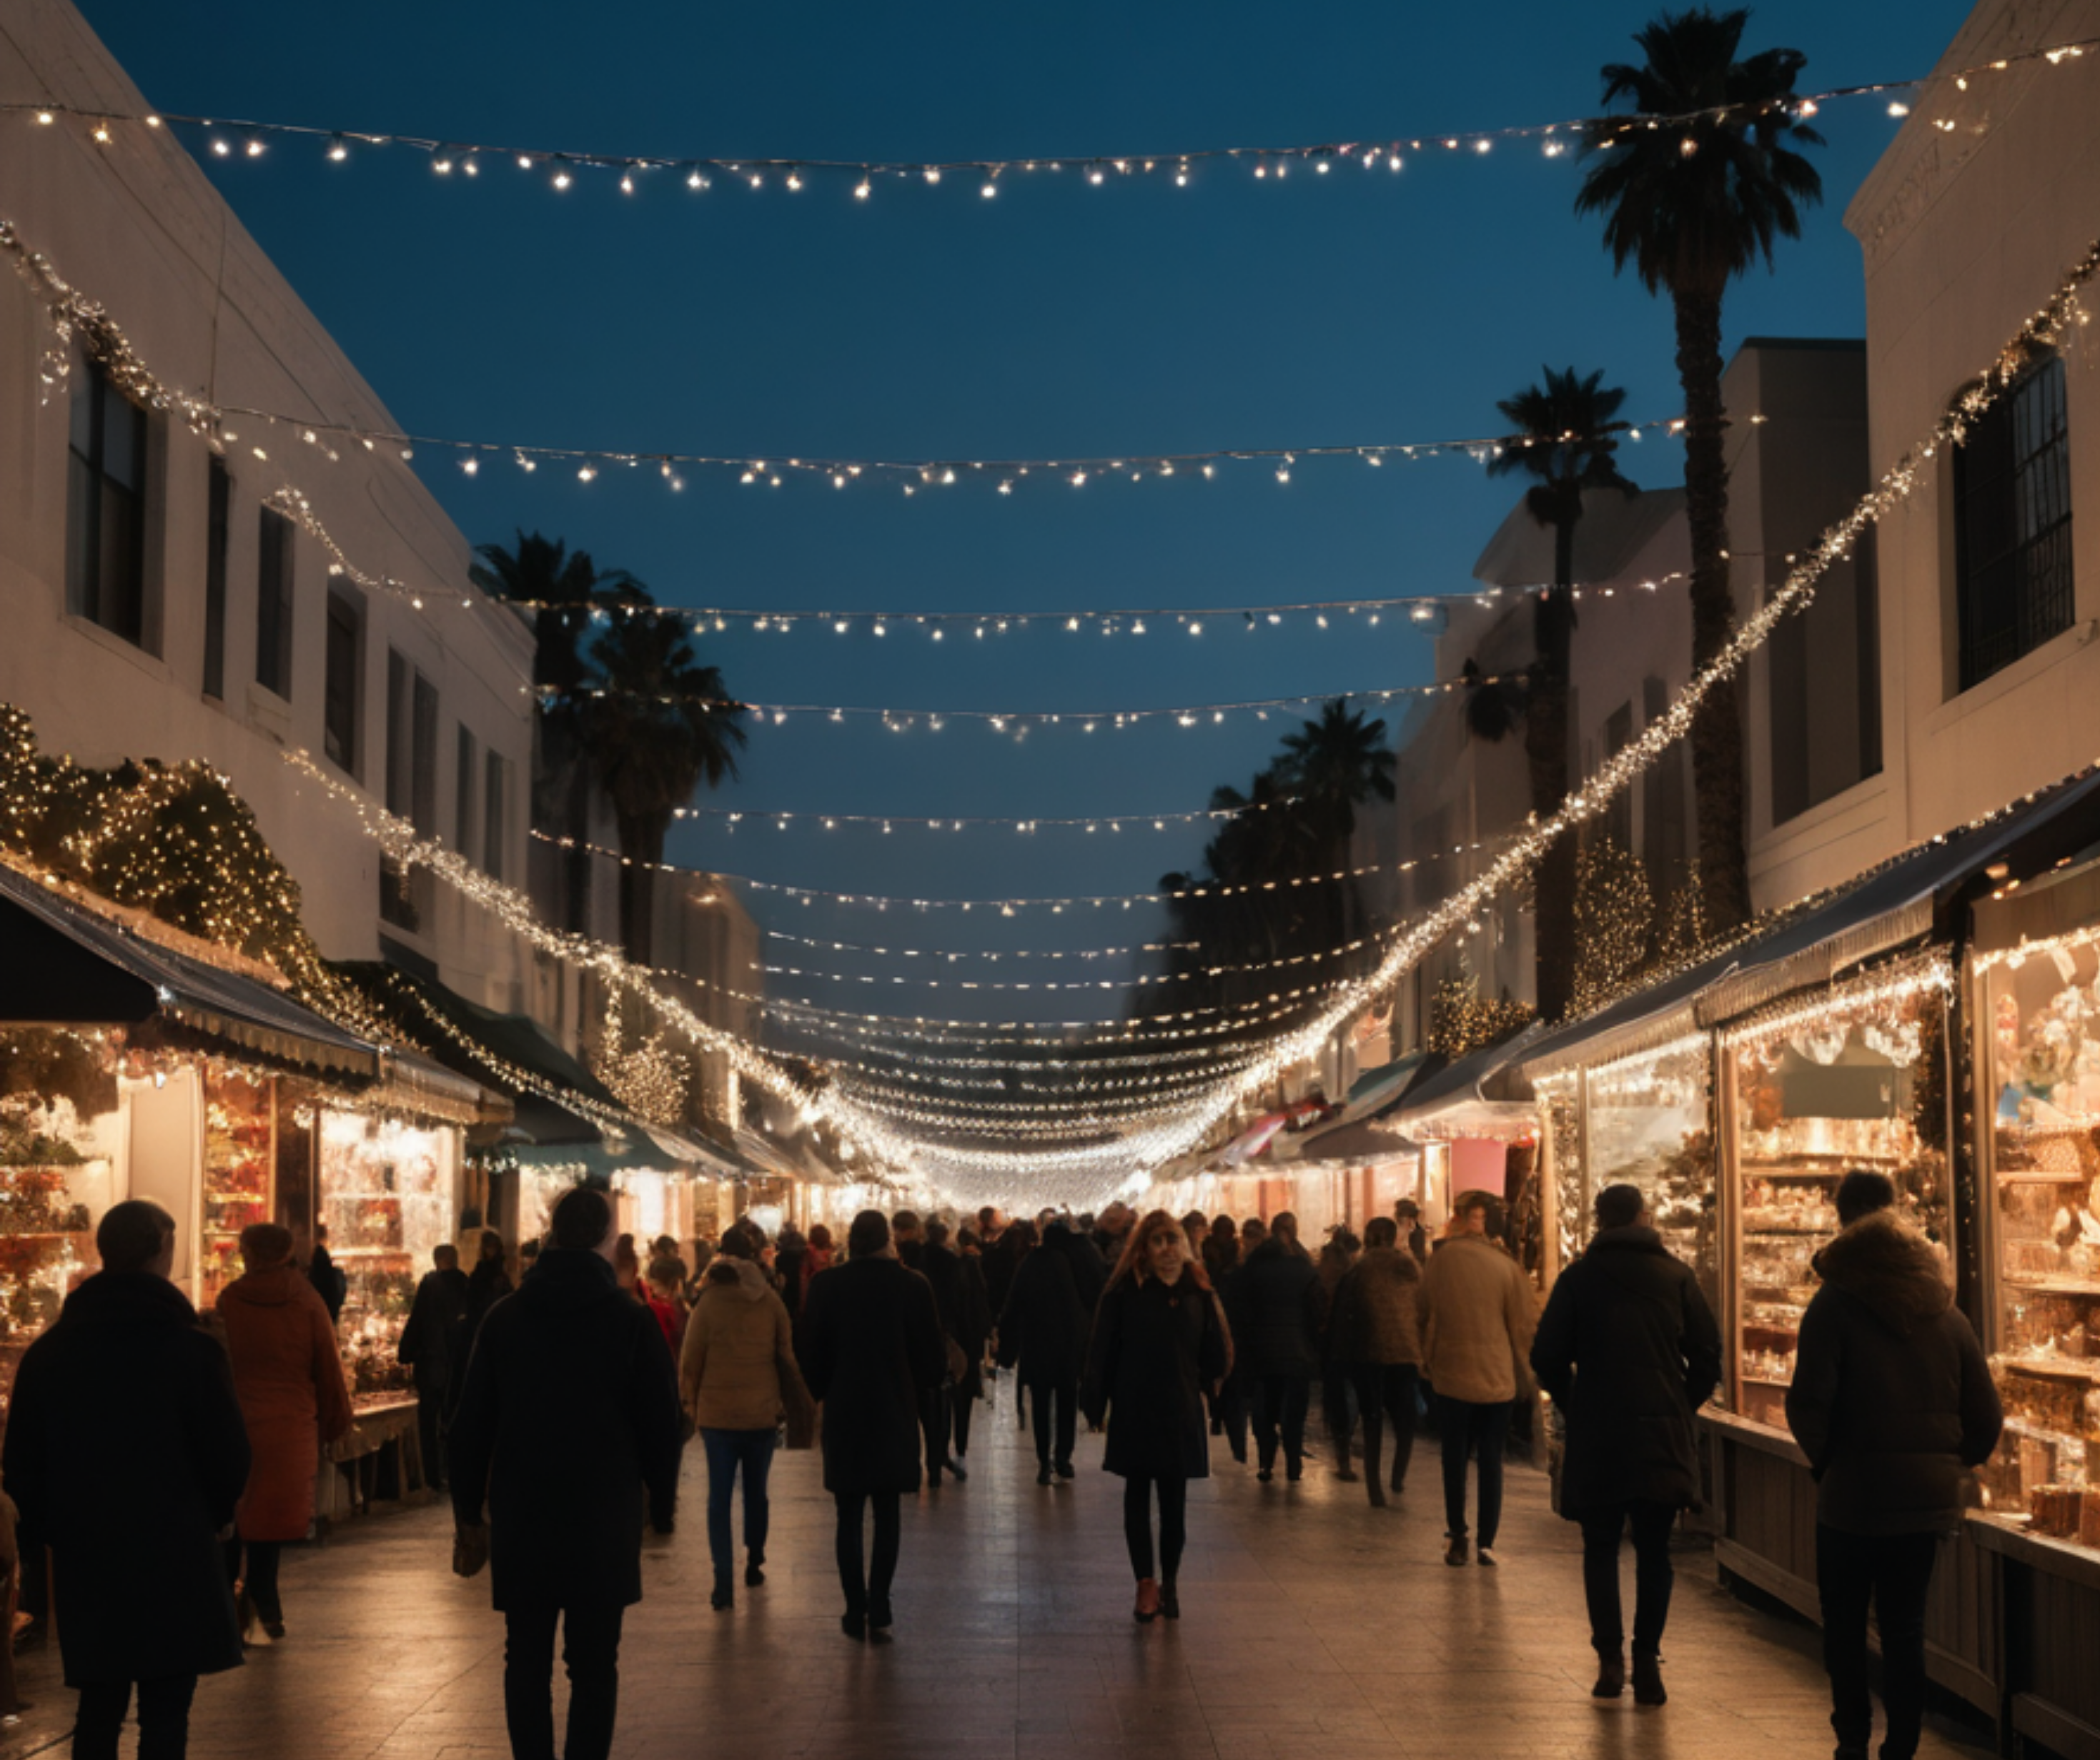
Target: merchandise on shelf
[
  {"x": 240, "y": 1168},
  {"x": 386, "y": 1194},
  {"x": 2042, "y": 1020},
  {"x": 1856, "y": 1082}
]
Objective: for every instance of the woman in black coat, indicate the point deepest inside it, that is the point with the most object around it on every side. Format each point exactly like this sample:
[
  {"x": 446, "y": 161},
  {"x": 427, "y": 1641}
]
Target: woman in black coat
[
  {"x": 1160, "y": 1342},
  {"x": 871, "y": 1345},
  {"x": 1043, "y": 1334}
]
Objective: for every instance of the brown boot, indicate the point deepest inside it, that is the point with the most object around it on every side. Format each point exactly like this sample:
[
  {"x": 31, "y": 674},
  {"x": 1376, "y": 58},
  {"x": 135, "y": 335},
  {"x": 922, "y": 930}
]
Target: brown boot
[
  {"x": 1148, "y": 1602},
  {"x": 1610, "y": 1674}
]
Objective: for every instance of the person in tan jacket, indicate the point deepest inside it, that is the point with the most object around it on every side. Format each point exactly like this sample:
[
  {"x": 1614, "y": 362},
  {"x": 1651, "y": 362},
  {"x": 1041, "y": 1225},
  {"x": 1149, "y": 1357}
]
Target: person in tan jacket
[
  {"x": 1477, "y": 1319},
  {"x": 737, "y": 1342}
]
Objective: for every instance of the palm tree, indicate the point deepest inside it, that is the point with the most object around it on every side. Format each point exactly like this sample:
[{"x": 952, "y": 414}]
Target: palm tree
[
  {"x": 664, "y": 726},
  {"x": 1337, "y": 763},
  {"x": 568, "y": 589},
  {"x": 1693, "y": 203},
  {"x": 1569, "y": 445}
]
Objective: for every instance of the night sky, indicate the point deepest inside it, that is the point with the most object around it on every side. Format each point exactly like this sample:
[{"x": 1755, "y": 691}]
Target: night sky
[{"x": 1058, "y": 319}]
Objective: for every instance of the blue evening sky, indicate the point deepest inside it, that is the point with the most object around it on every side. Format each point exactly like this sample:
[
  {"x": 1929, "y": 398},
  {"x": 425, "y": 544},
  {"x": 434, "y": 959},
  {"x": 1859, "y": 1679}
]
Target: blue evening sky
[{"x": 1059, "y": 318}]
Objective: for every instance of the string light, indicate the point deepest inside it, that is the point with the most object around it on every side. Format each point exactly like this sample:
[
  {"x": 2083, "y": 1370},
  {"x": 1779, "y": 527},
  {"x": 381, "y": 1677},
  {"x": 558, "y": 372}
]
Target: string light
[
  {"x": 1015, "y": 723},
  {"x": 1144, "y": 981},
  {"x": 1266, "y": 163}
]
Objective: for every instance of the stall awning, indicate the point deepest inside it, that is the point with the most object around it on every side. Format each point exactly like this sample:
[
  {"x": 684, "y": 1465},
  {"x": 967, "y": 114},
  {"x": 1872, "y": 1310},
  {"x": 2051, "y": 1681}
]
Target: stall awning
[
  {"x": 1902, "y": 902},
  {"x": 66, "y": 965}
]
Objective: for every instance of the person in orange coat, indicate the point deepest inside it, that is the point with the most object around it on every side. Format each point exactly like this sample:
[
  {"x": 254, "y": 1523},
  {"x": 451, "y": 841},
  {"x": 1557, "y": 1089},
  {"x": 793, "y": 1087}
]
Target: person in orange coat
[{"x": 288, "y": 1377}]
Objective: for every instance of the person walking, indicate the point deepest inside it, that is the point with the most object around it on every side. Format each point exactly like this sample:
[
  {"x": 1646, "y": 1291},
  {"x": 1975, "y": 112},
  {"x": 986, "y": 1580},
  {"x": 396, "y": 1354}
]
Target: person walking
[
  {"x": 1892, "y": 1402},
  {"x": 1276, "y": 1313},
  {"x": 733, "y": 1375},
  {"x": 791, "y": 1252},
  {"x": 1407, "y": 1216},
  {"x": 1160, "y": 1339},
  {"x": 435, "y": 1328},
  {"x": 138, "y": 1581},
  {"x": 1477, "y": 1320},
  {"x": 1337, "y": 1391},
  {"x": 1043, "y": 1338},
  {"x": 1628, "y": 1350},
  {"x": 959, "y": 1296},
  {"x": 872, "y": 1345},
  {"x": 326, "y": 1276},
  {"x": 287, "y": 1372},
  {"x": 567, "y": 1433},
  {"x": 1373, "y": 1336}
]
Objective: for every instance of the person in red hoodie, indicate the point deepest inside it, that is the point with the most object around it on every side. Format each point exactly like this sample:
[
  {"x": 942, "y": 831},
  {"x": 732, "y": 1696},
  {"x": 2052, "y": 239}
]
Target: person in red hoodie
[{"x": 666, "y": 1278}]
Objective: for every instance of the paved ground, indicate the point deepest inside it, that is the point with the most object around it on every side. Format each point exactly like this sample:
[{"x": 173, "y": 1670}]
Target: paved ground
[{"x": 1313, "y": 1626}]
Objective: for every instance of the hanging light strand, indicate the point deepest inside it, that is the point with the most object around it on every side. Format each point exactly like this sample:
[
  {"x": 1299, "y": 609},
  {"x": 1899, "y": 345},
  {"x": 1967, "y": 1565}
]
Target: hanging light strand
[{"x": 231, "y": 141}]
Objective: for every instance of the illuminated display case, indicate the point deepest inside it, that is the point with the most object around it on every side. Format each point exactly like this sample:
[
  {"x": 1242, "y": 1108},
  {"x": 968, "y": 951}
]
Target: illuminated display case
[
  {"x": 387, "y": 1194},
  {"x": 1855, "y": 1078},
  {"x": 240, "y": 1167},
  {"x": 1650, "y": 1126},
  {"x": 2039, "y": 1020}
]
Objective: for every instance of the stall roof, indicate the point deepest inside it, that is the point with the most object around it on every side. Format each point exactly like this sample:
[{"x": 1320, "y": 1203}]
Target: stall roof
[
  {"x": 68, "y": 964},
  {"x": 1897, "y": 904}
]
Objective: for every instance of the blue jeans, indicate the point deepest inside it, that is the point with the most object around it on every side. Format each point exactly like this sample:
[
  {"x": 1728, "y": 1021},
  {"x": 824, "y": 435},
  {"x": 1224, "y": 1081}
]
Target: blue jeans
[{"x": 727, "y": 1450}]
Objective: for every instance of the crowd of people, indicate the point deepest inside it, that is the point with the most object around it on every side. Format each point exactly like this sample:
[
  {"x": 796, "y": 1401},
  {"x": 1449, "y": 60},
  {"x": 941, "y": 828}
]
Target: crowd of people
[{"x": 557, "y": 1411}]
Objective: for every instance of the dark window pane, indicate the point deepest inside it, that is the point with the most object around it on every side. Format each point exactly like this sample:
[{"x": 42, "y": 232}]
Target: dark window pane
[
  {"x": 119, "y": 603},
  {"x": 339, "y": 704},
  {"x": 216, "y": 532},
  {"x": 425, "y": 801},
  {"x": 105, "y": 508},
  {"x": 2012, "y": 527},
  {"x": 466, "y": 820},
  {"x": 399, "y": 756},
  {"x": 83, "y": 533},
  {"x": 273, "y": 605},
  {"x": 493, "y": 789},
  {"x": 123, "y": 439}
]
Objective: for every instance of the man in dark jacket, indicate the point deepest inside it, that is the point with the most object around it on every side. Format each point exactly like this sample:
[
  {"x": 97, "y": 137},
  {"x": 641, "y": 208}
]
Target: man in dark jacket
[
  {"x": 1374, "y": 1336},
  {"x": 1892, "y": 1402},
  {"x": 326, "y": 1276},
  {"x": 1043, "y": 1336},
  {"x": 436, "y": 1319},
  {"x": 127, "y": 1455},
  {"x": 959, "y": 1294},
  {"x": 1629, "y": 1349},
  {"x": 1276, "y": 1308},
  {"x": 871, "y": 1346},
  {"x": 569, "y": 1419}
]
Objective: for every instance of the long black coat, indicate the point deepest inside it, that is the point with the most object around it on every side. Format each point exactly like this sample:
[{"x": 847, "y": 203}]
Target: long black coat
[
  {"x": 1156, "y": 1348},
  {"x": 1043, "y": 1328},
  {"x": 1278, "y": 1308},
  {"x": 436, "y": 1327},
  {"x": 870, "y": 1344},
  {"x": 1892, "y": 1399},
  {"x": 1630, "y": 1350},
  {"x": 1089, "y": 1275},
  {"x": 959, "y": 1298},
  {"x": 126, "y": 1454},
  {"x": 569, "y": 1416}
]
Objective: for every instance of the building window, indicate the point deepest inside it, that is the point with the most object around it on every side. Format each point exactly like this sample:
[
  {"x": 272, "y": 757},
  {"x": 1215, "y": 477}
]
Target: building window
[
  {"x": 495, "y": 787},
  {"x": 106, "y": 508},
  {"x": 412, "y": 784},
  {"x": 340, "y": 697},
  {"x": 1617, "y": 822},
  {"x": 1665, "y": 833},
  {"x": 466, "y": 820},
  {"x": 273, "y": 605},
  {"x": 219, "y": 508},
  {"x": 1823, "y": 670},
  {"x": 2012, "y": 527}
]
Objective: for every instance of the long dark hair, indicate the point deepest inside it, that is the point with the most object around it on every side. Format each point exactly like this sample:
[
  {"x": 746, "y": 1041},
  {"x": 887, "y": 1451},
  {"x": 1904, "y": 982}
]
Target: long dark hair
[{"x": 1130, "y": 1265}]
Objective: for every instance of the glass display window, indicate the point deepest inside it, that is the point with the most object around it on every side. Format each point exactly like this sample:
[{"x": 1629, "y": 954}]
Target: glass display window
[
  {"x": 1650, "y": 1125},
  {"x": 240, "y": 1170},
  {"x": 2040, "y": 1019},
  {"x": 1855, "y": 1079},
  {"x": 386, "y": 1193}
]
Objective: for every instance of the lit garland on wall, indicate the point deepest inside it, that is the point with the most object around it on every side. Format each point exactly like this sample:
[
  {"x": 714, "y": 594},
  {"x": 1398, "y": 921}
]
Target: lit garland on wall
[{"x": 232, "y": 142}]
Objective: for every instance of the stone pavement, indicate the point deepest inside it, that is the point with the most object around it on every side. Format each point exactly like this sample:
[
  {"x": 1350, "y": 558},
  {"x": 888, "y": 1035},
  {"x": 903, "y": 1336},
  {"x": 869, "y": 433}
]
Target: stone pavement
[{"x": 1314, "y": 1628}]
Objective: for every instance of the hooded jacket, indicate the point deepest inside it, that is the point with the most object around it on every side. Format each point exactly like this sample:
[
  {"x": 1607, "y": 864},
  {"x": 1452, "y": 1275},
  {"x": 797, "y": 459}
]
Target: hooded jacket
[
  {"x": 1477, "y": 1319},
  {"x": 1629, "y": 1349},
  {"x": 1891, "y": 1398},
  {"x": 288, "y": 1371},
  {"x": 1374, "y": 1319},
  {"x": 125, "y": 1454},
  {"x": 569, "y": 1417},
  {"x": 729, "y": 1373}
]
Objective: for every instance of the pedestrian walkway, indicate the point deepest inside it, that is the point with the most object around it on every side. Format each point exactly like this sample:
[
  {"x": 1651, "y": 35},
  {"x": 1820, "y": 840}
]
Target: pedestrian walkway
[{"x": 1314, "y": 1628}]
